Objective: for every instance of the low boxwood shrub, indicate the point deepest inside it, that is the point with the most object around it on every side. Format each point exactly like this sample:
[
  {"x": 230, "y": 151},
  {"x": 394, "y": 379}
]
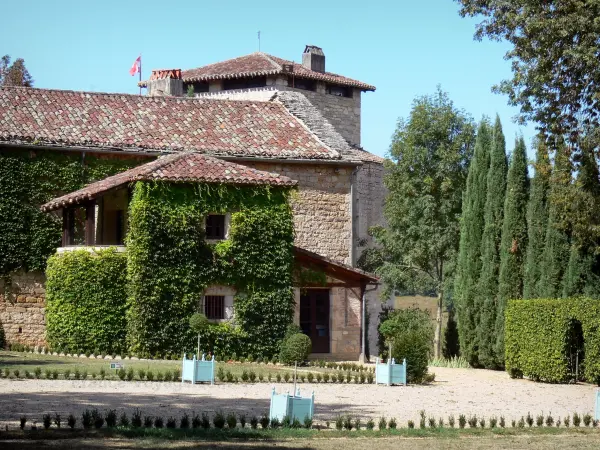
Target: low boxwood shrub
[
  {"x": 536, "y": 338},
  {"x": 295, "y": 349}
]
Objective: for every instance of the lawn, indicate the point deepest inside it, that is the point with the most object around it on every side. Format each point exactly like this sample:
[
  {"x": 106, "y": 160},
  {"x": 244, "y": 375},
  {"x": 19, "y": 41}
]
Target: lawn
[{"x": 24, "y": 361}]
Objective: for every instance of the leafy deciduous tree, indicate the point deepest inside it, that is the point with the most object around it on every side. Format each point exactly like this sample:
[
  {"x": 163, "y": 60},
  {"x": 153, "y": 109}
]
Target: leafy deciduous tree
[
  {"x": 554, "y": 58},
  {"x": 430, "y": 153},
  {"x": 15, "y": 74}
]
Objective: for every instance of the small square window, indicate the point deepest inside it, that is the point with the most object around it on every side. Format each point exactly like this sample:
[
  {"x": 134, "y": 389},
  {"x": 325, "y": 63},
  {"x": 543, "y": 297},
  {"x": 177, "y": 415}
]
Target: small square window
[
  {"x": 215, "y": 226},
  {"x": 214, "y": 307}
]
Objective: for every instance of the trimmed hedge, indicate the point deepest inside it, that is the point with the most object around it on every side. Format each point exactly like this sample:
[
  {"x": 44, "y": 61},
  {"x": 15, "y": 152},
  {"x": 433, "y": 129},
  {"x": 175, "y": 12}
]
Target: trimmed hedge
[
  {"x": 536, "y": 338},
  {"x": 86, "y": 301}
]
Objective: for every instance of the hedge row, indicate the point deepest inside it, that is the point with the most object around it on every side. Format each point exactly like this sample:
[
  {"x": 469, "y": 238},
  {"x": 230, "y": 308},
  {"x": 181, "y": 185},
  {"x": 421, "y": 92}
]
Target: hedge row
[
  {"x": 86, "y": 301},
  {"x": 537, "y": 338}
]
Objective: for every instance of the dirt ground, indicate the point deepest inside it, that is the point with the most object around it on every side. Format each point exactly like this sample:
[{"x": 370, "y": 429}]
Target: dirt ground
[{"x": 456, "y": 391}]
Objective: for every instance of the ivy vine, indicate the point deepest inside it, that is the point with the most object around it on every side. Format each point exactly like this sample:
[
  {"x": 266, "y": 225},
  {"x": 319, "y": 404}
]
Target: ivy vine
[
  {"x": 170, "y": 264},
  {"x": 29, "y": 179}
]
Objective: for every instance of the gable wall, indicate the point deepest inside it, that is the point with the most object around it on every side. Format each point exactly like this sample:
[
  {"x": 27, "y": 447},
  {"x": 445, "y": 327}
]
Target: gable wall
[{"x": 321, "y": 206}]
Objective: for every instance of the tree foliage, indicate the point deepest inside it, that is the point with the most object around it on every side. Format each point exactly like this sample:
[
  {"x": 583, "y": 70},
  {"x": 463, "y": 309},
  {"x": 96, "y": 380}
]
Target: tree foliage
[
  {"x": 411, "y": 335},
  {"x": 554, "y": 58},
  {"x": 582, "y": 276},
  {"x": 15, "y": 74},
  {"x": 558, "y": 231},
  {"x": 468, "y": 267},
  {"x": 514, "y": 243},
  {"x": 537, "y": 220},
  {"x": 487, "y": 289},
  {"x": 429, "y": 154}
]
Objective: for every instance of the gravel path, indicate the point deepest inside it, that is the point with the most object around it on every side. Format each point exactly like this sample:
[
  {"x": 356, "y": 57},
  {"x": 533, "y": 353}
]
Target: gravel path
[{"x": 456, "y": 391}]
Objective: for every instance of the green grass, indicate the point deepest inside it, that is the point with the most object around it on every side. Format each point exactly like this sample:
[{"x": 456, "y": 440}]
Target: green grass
[
  {"x": 456, "y": 362},
  {"x": 23, "y": 361}
]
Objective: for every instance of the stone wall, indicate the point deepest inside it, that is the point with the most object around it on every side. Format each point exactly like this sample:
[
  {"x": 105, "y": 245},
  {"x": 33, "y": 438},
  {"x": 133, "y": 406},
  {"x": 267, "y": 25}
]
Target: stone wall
[
  {"x": 321, "y": 207},
  {"x": 368, "y": 212},
  {"x": 22, "y": 308}
]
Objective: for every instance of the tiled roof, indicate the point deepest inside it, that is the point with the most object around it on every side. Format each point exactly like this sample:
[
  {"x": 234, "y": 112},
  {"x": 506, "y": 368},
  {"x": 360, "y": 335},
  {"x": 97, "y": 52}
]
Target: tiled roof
[
  {"x": 297, "y": 104},
  {"x": 183, "y": 167},
  {"x": 133, "y": 122},
  {"x": 262, "y": 64}
]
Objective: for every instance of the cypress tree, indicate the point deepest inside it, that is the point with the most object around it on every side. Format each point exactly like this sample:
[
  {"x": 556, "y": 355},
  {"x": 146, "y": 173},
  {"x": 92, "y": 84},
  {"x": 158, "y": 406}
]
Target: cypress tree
[
  {"x": 514, "y": 242},
  {"x": 582, "y": 276},
  {"x": 537, "y": 220},
  {"x": 485, "y": 300},
  {"x": 469, "y": 257},
  {"x": 555, "y": 257}
]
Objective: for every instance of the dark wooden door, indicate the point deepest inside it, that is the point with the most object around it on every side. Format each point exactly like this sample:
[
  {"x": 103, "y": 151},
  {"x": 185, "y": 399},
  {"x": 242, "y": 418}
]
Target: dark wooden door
[{"x": 314, "y": 318}]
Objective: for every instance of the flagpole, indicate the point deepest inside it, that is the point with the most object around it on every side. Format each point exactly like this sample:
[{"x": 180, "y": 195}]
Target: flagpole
[{"x": 140, "y": 73}]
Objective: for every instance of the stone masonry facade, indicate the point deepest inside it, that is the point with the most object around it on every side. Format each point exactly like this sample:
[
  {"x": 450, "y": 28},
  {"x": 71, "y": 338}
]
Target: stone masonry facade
[
  {"x": 22, "y": 308},
  {"x": 322, "y": 220}
]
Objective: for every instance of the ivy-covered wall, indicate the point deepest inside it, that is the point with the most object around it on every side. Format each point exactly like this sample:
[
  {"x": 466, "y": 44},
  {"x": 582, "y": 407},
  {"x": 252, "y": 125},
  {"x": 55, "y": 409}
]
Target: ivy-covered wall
[
  {"x": 170, "y": 264},
  {"x": 29, "y": 179},
  {"x": 86, "y": 301}
]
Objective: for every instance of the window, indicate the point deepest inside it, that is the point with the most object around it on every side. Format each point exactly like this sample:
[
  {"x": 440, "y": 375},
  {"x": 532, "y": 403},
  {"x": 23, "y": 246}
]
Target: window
[
  {"x": 302, "y": 83},
  {"x": 214, "y": 307},
  {"x": 215, "y": 226},
  {"x": 339, "y": 91},
  {"x": 244, "y": 83}
]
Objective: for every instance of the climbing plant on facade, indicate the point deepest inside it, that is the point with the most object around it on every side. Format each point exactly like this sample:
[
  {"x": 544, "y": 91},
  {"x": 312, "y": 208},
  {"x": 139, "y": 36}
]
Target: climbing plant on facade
[{"x": 170, "y": 264}]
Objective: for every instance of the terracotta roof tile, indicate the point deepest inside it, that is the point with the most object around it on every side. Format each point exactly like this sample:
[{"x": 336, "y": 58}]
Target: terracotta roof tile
[
  {"x": 218, "y": 127},
  {"x": 183, "y": 167},
  {"x": 261, "y": 64}
]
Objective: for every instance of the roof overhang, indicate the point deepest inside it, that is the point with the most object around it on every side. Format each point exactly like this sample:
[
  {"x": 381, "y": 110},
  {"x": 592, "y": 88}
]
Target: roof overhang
[{"x": 349, "y": 276}]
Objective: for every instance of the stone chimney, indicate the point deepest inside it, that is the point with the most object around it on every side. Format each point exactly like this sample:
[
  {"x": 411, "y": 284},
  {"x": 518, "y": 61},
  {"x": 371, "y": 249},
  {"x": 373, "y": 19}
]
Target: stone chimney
[
  {"x": 313, "y": 58},
  {"x": 165, "y": 82}
]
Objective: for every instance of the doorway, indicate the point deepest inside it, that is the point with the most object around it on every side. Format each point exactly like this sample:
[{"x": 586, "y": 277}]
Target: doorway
[
  {"x": 575, "y": 350},
  {"x": 314, "y": 318}
]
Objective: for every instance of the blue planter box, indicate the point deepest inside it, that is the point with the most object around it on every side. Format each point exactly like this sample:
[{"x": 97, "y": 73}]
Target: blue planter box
[
  {"x": 390, "y": 373},
  {"x": 597, "y": 417},
  {"x": 293, "y": 406},
  {"x": 197, "y": 371}
]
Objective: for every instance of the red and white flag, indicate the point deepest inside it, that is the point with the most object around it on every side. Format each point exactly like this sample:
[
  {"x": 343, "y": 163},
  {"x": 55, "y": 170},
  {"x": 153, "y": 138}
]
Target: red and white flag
[{"x": 136, "y": 66}]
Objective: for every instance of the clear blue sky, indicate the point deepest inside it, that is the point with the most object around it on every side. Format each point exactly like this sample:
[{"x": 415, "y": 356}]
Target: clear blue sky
[{"x": 404, "y": 48}]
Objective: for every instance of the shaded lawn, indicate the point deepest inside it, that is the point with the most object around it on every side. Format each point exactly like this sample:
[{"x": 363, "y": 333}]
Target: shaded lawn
[{"x": 536, "y": 438}]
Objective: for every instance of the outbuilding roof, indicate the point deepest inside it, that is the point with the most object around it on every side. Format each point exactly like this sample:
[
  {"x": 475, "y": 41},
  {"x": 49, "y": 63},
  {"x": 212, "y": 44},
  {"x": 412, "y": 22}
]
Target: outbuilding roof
[
  {"x": 183, "y": 167},
  {"x": 262, "y": 64}
]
